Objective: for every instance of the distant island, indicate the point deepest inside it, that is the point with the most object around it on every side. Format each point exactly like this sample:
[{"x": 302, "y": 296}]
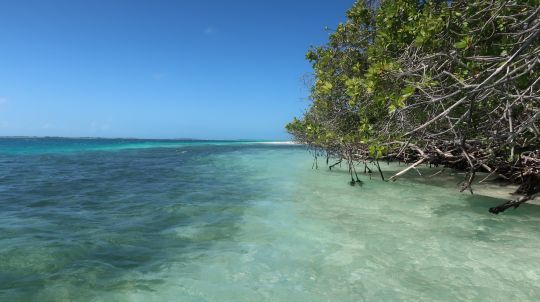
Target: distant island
[{"x": 127, "y": 138}]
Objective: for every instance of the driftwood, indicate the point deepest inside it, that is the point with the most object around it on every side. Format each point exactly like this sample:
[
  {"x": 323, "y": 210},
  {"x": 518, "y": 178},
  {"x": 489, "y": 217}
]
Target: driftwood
[
  {"x": 509, "y": 204},
  {"x": 530, "y": 190}
]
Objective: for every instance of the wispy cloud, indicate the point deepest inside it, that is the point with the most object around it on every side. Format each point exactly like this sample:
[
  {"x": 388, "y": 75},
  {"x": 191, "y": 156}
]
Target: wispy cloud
[
  {"x": 3, "y": 100},
  {"x": 47, "y": 126},
  {"x": 100, "y": 125},
  {"x": 209, "y": 30},
  {"x": 158, "y": 76}
]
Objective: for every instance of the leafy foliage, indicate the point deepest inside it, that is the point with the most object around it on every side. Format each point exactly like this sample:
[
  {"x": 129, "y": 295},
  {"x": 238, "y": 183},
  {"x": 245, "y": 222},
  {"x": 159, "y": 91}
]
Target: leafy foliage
[{"x": 454, "y": 83}]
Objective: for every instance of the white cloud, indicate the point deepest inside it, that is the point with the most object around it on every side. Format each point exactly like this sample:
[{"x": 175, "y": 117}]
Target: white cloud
[
  {"x": 158, "y": 76},
  {"x": 209, "y": 30},
  {"x": 100, "y": 126},
  {"x": 3, "y": 100}
]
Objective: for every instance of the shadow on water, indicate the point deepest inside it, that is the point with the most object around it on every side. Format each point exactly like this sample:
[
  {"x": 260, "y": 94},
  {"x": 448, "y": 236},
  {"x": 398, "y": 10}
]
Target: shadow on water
[
  {"x": 448, "y": 212},
  {"x": 480, "y": 204},
  {"x": 448, "y": 179},
  {"x": 469, "y": 219}
]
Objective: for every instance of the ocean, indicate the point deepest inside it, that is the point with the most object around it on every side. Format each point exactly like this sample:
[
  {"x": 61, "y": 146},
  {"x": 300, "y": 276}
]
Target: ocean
[{"x": 171, "y": 220}]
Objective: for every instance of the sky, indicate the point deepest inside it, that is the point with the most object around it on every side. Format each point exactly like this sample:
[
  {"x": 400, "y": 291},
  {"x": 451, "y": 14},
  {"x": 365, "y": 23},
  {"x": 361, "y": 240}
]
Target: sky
[{"x": 158, "y": 68}]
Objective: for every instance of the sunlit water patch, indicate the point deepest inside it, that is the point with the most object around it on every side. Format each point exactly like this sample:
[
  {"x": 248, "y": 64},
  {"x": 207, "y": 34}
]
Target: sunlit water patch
[{"x": 247, "y": 222}]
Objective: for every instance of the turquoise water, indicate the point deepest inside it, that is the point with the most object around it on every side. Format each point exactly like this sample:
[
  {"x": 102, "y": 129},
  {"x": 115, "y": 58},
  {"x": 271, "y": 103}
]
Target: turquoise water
[{"x": 124, "y": 220}]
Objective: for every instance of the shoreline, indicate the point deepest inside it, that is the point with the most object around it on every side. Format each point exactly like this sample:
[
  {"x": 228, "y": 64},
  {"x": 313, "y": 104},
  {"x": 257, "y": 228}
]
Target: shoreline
[{"x": 491, "y": 187}]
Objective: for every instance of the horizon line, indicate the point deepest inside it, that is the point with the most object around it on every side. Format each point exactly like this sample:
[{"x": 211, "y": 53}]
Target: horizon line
[{"x": 137, "y": 138}]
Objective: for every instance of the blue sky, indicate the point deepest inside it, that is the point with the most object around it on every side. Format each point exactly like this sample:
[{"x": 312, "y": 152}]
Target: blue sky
[{"x": 157, "y": 69}]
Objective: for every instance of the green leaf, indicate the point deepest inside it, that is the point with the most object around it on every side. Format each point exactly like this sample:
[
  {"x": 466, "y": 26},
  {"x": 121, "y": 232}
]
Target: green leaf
[{"x": 460, "y": 45}]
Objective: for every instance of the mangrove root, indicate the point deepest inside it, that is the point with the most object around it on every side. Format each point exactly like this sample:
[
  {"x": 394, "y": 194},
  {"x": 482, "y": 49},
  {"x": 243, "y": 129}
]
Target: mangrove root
[{"x": 509, "y": 204}]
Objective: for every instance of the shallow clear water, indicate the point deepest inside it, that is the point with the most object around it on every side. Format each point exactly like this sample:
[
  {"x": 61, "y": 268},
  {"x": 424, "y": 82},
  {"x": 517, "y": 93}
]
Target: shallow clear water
[{"x": 105, "y": 220}]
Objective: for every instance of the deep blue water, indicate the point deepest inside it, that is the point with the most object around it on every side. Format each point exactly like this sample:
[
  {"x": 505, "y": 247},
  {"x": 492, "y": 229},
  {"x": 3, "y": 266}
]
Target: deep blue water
[{"x": 83, "y": 212}]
